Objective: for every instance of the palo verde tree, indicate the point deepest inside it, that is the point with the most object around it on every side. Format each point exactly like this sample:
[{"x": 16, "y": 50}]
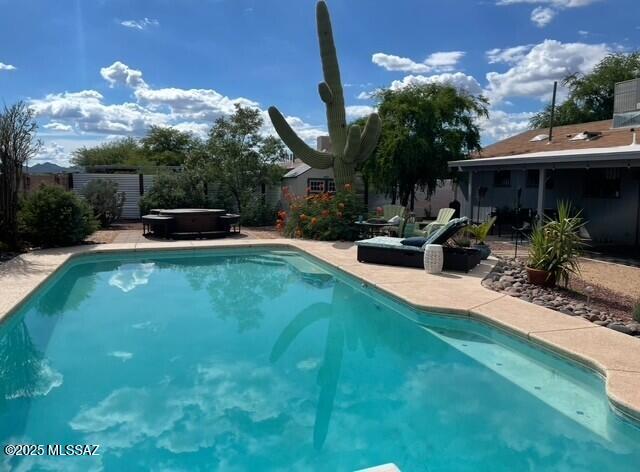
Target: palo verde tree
[
  {"x": 238, "y": 156},
  {"x": 351, "y": 145},
  {"x": 18, "y": 144},
  {"x": 591, "y": 95},
  {"x": 424, "y": 127}
]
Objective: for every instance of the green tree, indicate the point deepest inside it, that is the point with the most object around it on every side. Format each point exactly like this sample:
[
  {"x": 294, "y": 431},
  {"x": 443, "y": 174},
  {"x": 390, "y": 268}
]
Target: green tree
[
  {"x": 166, "y": 146},
  {"x": 18, "y": 144},
  {"x": 423, "y": 128},
  {"x": 238, "y": 156},
  {"x": 591, "y": 95},
  {"x": 125, "y": 151}
]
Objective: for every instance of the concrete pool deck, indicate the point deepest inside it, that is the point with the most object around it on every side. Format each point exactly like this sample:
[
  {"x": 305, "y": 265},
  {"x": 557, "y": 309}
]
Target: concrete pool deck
[{"x": 614, "y": 355}]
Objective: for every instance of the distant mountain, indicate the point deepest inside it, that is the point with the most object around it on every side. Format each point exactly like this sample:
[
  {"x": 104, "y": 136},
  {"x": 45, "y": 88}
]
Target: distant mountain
[{"x": 49, "y": 168}]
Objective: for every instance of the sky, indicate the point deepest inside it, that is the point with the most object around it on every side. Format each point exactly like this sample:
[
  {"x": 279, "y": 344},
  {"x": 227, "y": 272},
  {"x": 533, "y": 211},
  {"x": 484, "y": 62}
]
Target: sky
[{"x": 95, "y": 70}]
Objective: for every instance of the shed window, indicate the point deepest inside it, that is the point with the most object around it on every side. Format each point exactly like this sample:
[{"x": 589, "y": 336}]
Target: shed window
[
  {"x": 602, "y": 183},
  {"x": 502, "y": 178},
  {"x": 315, "y": 186}
]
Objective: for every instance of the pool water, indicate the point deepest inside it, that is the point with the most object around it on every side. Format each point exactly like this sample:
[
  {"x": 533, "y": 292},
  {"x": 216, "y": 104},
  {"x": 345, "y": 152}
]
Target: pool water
[{"x": 267, "y": 360}]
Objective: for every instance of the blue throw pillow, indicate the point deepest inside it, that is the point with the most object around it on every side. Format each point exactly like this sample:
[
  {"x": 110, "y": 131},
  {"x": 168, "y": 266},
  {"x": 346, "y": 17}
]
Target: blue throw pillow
[{"x": 417, "y": 241}]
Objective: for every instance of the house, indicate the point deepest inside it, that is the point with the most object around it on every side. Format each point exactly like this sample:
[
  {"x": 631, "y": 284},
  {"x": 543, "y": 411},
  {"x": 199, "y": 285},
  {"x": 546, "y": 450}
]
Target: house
[{"x": 595, "y": 166}]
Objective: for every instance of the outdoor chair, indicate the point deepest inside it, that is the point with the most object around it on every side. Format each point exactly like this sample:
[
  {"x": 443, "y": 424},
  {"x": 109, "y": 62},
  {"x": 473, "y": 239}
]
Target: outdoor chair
[{"x": 444, "y": 216}]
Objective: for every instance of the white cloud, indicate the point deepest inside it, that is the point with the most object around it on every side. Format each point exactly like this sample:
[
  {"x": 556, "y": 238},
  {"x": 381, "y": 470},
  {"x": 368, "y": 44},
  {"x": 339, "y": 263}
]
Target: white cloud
[
  {"x": 555, "y": 3},
  {"x": 121, "y": 74},
  {"x": 52, "y": 152},
  {"x": 501, "y": 124},
  {"x": 142, "y": 24},
  {"x": 583, "y": 32},
  {"x": 532, "y": 74},
  {"x": 508, "y": 55},
  {"x": 56, "y": 126},
  {"x": 458, "y": 79},
  {"x": 542, "y": 16},
  {"x": 359, "y": 111},
  {"x": 438, "y": 61},
  {"x": 7, "y": 67},
  {"x": 365, "y": 95},
  {"x": 546, "y": 10},
  {"x": 87, "y": 113}
]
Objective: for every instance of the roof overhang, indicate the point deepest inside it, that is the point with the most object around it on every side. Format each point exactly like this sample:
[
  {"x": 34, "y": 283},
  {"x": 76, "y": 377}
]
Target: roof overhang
[{"x": 622, "y": 156}]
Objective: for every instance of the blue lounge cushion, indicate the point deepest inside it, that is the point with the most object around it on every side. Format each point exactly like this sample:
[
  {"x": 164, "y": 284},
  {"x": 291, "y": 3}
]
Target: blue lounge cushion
[{"x": 416, "y": 241}]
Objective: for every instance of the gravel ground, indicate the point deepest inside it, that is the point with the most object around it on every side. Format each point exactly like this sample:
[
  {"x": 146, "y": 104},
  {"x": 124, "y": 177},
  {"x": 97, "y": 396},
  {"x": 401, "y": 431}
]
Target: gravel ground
[{"x": 593, "y": 303}]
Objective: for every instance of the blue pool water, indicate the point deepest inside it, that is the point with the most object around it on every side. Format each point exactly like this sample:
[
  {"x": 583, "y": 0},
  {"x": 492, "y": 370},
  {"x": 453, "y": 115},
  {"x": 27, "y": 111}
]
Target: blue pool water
[{"x": 266, "y": 360}]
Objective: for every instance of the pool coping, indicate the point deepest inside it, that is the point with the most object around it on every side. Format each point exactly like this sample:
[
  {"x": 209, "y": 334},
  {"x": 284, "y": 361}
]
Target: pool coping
[{"x": 613, "y": 355}]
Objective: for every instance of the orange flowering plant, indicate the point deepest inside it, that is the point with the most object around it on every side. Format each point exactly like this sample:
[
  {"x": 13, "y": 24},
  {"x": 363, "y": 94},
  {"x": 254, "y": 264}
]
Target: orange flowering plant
[{"x": 321, "y": 216}]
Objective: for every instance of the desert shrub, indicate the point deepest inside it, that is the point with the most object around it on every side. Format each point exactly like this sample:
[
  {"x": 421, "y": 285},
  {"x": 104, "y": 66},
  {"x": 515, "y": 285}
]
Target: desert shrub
[
  {"x": 183, "y": 190},
  {"x": 106, "y": 201},
  {"x": 52, "y": 216},
  {"x": 257, "y": 212},
  {"x": 322, "y": 216}
]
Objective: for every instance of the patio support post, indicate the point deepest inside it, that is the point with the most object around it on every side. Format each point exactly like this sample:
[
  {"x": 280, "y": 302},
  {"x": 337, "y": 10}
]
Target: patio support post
[
  {"x": 470, "y": 196},
  {"x": 541, "y": 179}
]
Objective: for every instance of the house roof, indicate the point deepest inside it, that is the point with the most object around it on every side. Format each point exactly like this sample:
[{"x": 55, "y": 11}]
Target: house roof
[
  {"x": 522, "y": 143},
  {"x": 297, "y": 171},
  {"x": 572, "y": 145}
]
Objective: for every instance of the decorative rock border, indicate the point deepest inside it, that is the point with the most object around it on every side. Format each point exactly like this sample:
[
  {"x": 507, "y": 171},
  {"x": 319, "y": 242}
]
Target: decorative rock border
[{"x": 510, "y": 277}]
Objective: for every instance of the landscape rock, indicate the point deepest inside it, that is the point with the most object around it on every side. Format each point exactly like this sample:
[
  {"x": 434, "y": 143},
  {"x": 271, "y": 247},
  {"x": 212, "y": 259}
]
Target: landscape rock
[{"x": 510, "y": 277}]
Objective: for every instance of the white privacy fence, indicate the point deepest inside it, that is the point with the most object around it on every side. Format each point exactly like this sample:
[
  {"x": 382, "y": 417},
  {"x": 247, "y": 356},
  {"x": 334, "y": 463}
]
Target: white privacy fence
[{"x": 132, "y": 185}]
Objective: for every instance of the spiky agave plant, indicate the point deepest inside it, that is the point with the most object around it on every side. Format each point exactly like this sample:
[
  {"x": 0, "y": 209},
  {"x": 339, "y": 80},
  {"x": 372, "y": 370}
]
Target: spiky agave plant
[
  {"x": 350, "y": 145},
  {"x": 556, "y": 245}
]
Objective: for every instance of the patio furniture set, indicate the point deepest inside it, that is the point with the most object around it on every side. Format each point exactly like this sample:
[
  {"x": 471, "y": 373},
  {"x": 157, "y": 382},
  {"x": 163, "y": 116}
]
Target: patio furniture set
[
  {"x": 190, "y": 222},
  {"x": 408, "y": 248}
]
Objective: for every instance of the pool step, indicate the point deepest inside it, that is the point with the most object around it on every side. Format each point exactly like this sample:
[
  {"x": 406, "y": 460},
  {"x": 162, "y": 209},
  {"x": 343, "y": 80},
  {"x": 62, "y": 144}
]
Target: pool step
[{"x": 309, "y": 271}]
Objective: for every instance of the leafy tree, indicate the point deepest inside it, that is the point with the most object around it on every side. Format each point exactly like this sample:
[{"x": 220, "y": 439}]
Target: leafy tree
[
  {"x": 168, "y": 146},
  {"x": 125, "y": 151},
  {"x": 591, "y": 95},
  {"x": 238, "y": 156},
  {"x": 18, "y": 144},
  {"x": 423, "y": 128}
]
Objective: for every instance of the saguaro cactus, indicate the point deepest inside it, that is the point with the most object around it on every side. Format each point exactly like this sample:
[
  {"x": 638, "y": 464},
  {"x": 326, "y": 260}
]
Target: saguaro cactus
[{"x": 350, "y": 145}]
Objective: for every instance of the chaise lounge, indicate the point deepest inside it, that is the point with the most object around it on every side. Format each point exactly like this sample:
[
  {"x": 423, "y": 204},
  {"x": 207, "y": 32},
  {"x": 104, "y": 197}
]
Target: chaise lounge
[{"x": 391, "y": 251}]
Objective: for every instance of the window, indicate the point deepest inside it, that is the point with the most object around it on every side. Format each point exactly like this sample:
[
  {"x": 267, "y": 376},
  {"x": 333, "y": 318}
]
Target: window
[
  {"x": 315, "y": 186},
  {"x": 602, "y": 183},
  {"x": 502, "y": 178},
  {"x": 533, "y": 176},
  {"x": 320, "y": 186}
]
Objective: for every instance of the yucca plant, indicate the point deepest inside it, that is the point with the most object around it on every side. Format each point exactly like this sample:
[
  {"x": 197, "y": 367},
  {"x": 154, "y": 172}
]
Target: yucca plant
[{"x": 556, "y": 244}]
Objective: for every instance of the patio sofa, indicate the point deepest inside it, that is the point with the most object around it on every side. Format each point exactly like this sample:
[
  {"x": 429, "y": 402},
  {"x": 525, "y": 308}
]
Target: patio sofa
[{"x": 390, "y": 251}]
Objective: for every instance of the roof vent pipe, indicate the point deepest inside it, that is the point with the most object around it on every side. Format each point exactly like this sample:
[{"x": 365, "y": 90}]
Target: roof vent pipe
[{"x": 553, "y": 109}]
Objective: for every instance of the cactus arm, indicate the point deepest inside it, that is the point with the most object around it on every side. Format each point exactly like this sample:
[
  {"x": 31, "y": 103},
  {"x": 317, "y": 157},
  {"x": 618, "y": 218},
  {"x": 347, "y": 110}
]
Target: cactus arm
[
  {"x": 336, "y": 117},
  {"x": 325, "y": 92},
  {"x": 300, "y": 149},
  {"x": 352, "y": 149},
  {"x": 370, "y": 136}
]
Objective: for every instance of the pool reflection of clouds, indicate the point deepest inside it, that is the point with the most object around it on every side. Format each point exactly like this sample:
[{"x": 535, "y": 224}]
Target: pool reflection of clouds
[{"x": 130, "y": 276}]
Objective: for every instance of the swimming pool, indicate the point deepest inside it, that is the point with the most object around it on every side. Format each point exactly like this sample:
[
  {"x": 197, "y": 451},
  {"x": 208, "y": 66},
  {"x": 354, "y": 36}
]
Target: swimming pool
[{"x": 260, "y": 359}]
